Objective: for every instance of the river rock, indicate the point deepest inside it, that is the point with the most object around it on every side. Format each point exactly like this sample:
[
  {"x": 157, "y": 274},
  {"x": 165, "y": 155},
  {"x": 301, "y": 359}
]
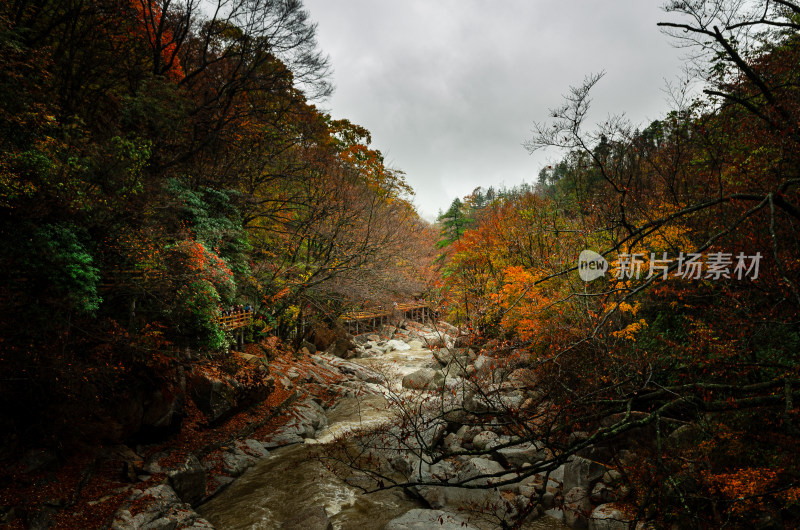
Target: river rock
[
  {"x": 415, "y": 344},
  {"x": 447, "y": 327},
  {"x": 609, "y": 517},
  {"x": 452, "y": 443},
  {"x": 235, "y": 461},
  {"x": 397, "y": 345},
  {"x": 282, "y": 438},
  {"x": 480, "y": 466},
  {"x": 435, "y": 339},
  {"x": 419, "y": 519},
  {"x": 216, "y": 398},
  {"x": 468, "y": 432},
  {"x": 612, "y": 477},
  {"x": 315, "y": 518},
  {"x": 311, "y": 416},
  {"x": 517, "y": 456},
  {"x": 462, "y": 341},
  {"x": 371, "y": 352},
  {"x": 602, "y": 494},
  {"x": 253, "y": 448},
  {"x": 577, "y": 508},
  {"x": 522, "y": 378},
  {"x": 582, "y": 472},
  {"x": 424, "y": 379},
  {"x": 350, "y": 368},
  {"x": 342, "y": 347},
  {"x": 157, "y": 508},
  {"x": 683, "y": 437},
  {"x": 410, "y": 465},
  {"x": 483, "y": 365},
  {"x": 485, "y": 440},
  {"x": 444, "y": 471},
  {"x": 189, "y": 480}
]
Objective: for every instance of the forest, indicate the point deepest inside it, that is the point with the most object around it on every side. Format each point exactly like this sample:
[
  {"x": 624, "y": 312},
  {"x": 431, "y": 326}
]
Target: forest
[{"x": 164, "y": 163}]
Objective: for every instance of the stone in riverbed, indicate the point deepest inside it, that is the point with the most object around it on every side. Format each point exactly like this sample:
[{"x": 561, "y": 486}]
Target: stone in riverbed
[
  {"x": 582, "y": 472},
  {"x": 424, "y": 379},
  {"x": 485, "y": 440},
  {"x": 521, "y": 454},
  {"x": 480, "y": 466},
  {"x": 396, "y": 345}
]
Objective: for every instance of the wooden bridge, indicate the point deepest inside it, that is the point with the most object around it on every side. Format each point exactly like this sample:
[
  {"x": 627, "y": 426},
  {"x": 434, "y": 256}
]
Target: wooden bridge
[{"x": 368, "y": 320}]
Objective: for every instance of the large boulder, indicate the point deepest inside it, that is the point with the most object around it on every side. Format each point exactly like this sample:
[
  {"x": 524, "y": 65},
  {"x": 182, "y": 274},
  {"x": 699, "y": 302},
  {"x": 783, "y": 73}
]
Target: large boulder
[
  {"x": 215, "y": 397},
  {"x": 342, "y": 347},
  {"x": 350, "y": 368},
  {"x": 419, "y": 519},
  {"x": 476, "y": 467},
  {"x": 311, "y": 416},
  {"x": 582, "y": 472},
  {"x": 459, "y": 356},
  {"x": 424, "y": 379}
]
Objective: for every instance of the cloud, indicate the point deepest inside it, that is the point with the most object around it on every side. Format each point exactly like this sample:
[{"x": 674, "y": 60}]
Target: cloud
[{"x": 451, "y": 88}]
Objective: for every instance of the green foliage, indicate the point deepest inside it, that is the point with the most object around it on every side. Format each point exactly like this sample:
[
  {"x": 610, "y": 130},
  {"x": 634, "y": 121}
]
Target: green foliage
[
  {"x": 197, "y": 308},
  {"x": 58, "y": 253},
  {"x": 215, "y": 220},
  {"x": 454, "y": 223}
]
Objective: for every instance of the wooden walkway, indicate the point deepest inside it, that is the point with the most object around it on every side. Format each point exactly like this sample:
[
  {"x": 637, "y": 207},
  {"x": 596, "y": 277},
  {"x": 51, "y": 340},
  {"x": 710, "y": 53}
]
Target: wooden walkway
[{"x": 363, "y": 321}]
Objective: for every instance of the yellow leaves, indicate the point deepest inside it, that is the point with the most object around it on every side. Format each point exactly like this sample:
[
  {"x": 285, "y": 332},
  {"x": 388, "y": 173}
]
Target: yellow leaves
[
  {"x": 625, "y": 307},
  {"x": 629, "y": 332}
]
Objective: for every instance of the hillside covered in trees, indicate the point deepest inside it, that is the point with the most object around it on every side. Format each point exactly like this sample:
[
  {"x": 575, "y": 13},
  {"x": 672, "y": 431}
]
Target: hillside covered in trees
[
  {"x": 686, "y": 340},
  {"x": 160, "y": 164}
]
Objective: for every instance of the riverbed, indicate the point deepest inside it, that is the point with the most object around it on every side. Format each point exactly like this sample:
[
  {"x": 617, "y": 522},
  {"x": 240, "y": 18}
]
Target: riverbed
[{"x": 290, "y": 480}]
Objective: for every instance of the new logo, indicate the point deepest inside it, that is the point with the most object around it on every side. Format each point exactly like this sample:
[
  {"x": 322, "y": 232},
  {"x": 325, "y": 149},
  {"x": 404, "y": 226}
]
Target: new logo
[{"x": 591, "y": 265}]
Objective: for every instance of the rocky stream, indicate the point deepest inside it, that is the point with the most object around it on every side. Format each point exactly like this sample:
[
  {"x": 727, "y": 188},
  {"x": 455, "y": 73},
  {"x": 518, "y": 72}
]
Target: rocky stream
[{"x": 283, "y": 484}]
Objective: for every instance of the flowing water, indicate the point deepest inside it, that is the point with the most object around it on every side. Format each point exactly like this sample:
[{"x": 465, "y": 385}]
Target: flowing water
[{"x": 290, "y": 480}]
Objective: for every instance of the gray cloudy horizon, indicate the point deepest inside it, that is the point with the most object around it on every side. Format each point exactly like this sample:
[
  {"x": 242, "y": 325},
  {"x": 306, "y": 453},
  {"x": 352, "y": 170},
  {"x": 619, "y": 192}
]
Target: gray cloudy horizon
[{"x": 450, "y": 89}]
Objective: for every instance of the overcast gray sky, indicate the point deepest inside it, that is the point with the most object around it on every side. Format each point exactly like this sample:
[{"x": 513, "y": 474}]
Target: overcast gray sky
[{"x": 450, "y": 88}]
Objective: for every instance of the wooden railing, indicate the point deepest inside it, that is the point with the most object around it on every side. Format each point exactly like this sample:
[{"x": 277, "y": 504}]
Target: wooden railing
[{"x": 236, "y": 320}]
